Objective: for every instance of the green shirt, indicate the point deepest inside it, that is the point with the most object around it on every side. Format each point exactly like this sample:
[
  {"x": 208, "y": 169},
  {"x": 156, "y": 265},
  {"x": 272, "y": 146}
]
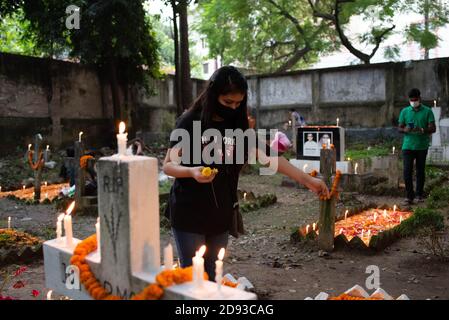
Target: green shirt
[{"x": 420, "y": 119}]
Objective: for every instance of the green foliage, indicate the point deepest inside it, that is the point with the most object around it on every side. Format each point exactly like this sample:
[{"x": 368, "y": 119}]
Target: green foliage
[
  {"x": 260, "y": 35},
  {"x": 260, "y": 202},
  {"x": 438, "y": 198},
  {"x": 434, "y": 172},
  {"x": 164, "y": 187},
  {"x": 376, "y": 151},
  {"x": 422, "y": 218}
]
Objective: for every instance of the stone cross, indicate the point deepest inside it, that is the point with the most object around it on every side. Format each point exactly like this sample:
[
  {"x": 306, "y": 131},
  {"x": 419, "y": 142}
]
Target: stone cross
[
  {"x": 129, "y": 258},
  {"x": 326, "y": 223}
]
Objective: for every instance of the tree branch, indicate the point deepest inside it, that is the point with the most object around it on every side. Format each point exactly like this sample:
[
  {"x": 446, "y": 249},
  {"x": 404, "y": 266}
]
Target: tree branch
[
  {"x": 286, "y": 14},
  {"x": 379, "y": 39},
  {"x": 294, "y": 59}
]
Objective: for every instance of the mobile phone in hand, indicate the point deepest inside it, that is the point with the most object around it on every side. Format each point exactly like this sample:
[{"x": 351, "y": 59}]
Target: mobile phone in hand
[{"x": 411, "y": 125}]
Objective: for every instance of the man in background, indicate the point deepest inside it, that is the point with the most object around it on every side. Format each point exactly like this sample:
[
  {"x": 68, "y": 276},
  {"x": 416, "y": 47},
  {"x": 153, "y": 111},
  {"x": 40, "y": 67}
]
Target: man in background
[{"x": 417, "y": 123}]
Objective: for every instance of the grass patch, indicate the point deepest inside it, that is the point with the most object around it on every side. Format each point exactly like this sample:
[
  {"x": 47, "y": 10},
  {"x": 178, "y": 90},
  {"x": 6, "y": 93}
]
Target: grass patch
[
  {"x": 438, "y": 198},
  {"x": 422, "y": 218},
  {"x": 368, "y": 152}
]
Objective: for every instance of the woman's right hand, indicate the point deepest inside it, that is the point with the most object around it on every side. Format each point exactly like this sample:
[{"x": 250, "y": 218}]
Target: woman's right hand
[{"x": 196, "y": 173}]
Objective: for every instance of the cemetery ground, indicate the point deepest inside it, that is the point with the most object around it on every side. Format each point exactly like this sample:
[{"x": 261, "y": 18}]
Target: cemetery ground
[{"x": 277, "y": 267}]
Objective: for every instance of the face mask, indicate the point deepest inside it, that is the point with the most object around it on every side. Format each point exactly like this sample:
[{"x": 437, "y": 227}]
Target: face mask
[
  {"x": 225, "y": 112},
  {"x": 414, "y": 104}
]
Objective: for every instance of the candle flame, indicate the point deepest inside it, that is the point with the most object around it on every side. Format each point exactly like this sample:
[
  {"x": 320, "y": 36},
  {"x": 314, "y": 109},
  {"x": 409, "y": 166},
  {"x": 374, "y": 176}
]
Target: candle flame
[
  {"x": 221, "y": 254},
  {"x": 394, "y": 208},
  {"x": 346, "y": 214},
  {"x": 9, "y": 219},
  {"x": 375, "y": 216},
  {"x": 356, "y": 166},
  {"x": 29, "y": 147},
  {"x": 70, "y": 209},
  {"x": 305, "y": 167},
  {"x": 341, "y": 230},
  {"x": 202, "y": 250},
  {"x": 45, "y": 183},
  {"x": 23, "y": 187},
  {"x": 314, "y": 226},
  {"x": 121, "y": 127},
  {"x": 307, "y": 228},
  {"x": 49, "y": 294},
  {"x": 48, "y": 147},
  {"x": 385, "y": 213}
]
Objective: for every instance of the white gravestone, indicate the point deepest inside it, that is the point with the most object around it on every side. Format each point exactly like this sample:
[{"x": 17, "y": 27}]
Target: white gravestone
[{"x": 128, "y": 203}]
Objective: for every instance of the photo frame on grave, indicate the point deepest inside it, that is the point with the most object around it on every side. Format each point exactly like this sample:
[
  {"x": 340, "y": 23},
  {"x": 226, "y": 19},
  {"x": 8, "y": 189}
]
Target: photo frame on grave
[{"x": 309, "y": 141}]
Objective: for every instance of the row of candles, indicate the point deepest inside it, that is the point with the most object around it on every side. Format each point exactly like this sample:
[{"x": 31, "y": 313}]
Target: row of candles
[{"x": 363, "y": 234}]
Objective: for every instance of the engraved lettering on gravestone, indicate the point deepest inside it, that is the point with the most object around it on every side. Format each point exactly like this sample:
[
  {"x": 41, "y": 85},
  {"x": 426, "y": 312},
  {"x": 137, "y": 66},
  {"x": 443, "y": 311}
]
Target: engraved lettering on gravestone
[
  {"x": 113, "y": 230},
  {"x": 113, "y": 185},
  {"x": 73, "y": 278},
  {"x": 107, "y": 287},
  {"x": 373, "y": 281}
]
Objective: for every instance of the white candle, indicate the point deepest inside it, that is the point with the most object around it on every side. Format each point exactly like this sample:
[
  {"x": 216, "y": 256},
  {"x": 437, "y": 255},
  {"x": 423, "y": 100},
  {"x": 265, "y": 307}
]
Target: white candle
[
  {"x": 122, "y": 138},
  {"x": 244, "y": 196},
  {"x": 97, "y": 228},
  {"x": 168, "y": 257},
  {"x": 59, "y": 228},
  {"x": 9, "y": 222},
  {"x": 79, "y": 136},
  {"x": 341, "y": 230},
  {"x": 219, "y": 268},
  {"x": 305, "y": 167},
  {"x": 375, "y": 216},
  {"x": 346, "y": 214},
  {"x": 48, "y": 147},
  {"x": 307, "y": 229},
  {"x": 369, "y": 234},
  {"x": 290, "y": 123},
  {"x": 68, "y": 226},
  {"x": 0, "y": 188},
  {"x": 29, "y": 147},
  {"x": 49, "y": 293},
  {"x": 362, "y": 234},
  {"x": 394, "y": 148},
  {"x": 394, "y": 209},
  {"x": 314, "y": 226},
  {"x": 355, "y": 169},
  {"x": 400, "y": 219},
  {"x": 198, "y": 267},
  {"x": 23, "y": 187},
  {"x": 435, "y": 103},
  {"x": 338, "y": 120},
  {"x": 385, "y": 213},
  {"x": 45, "y": 183}
]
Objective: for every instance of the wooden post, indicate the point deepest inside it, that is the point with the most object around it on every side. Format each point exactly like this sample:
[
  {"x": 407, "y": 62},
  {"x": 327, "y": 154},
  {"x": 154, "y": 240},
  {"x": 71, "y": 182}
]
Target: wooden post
[
  {"x": 38, "y": 172},
  {"x": 326, "y": 222},
  {"x": 79, "y": 175},
  {"x": 294, "y": 136}
]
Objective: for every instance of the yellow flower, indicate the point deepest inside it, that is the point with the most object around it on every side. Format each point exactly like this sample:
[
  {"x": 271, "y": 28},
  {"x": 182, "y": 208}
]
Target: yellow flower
[{"x": 206, "y": 172}]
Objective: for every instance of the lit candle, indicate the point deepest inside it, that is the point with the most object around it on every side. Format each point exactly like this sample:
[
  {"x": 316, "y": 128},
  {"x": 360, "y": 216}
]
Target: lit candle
[
  {"x": 23, "y": 187},
  {"x": 29, "y": 147},
  {"x": 400, "y": 219},
  {"x": 314, "y": 226},
  {"x": 346, "y": 214},
  {"x": 59, "y": 228},
  {"x": 0, "y": 188},
  {"x": 244, "y": 196},
  {"x": 122, "y": 138},
  {"x": 79, "y": 136},
  {"x": 435, "y": 103},
  {"x": 394, "y": 148},
  {"x": 219, "y": 269},
  {"x": 385, "y": 213},
  {"x": 341, "y": 230},
  {"x": 394, "y": 209},
  {"x": 338, "y": 120},
  {"x": 9, "y": 222},
  {"x": 48, "y": 147},
  {"x": 49, "y": 293},
  {"x": 290, "y": 123},
  {"x": 307, "y": 229},
  {"x": 68, "y": 226},
  {"x": 198, "y": 267},
  {"x": 168, "y": 257},
  {"x": 97, "y": 229},
  {"x": 45, "y": 183},
  {"x": 349, "y": 159},
  {"x": 46, "y": 195},
  {"x": 375, "y": 216},
  {"x": 362, "y": 234},
  {"x": 369, "y": 234},
  {"x": 305, "y": 167},
  {"x": 355, "y": 169}
]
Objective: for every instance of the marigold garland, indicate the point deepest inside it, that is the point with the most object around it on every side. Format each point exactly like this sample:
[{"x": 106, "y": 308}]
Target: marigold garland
[
  {"x": 314, "y": 173},
  {"x": 153, "y": 291},
  {"x": 345, "y": 296},
  {"x": 333, "y": 192},
  {"x": 40, "y": 162},
  {"x": 93, "y": 286},
  {"x": 83, "y": 161}
]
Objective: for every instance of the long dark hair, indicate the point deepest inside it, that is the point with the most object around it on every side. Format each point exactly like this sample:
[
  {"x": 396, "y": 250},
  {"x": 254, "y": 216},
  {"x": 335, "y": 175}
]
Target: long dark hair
[{"x": 224, "y": 80}]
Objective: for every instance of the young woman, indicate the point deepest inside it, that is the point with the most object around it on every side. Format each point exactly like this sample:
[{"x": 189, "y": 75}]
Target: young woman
[{"x": 201, "y": 207}]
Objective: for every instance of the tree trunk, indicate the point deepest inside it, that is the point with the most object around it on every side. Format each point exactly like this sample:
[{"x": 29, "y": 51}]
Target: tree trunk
[
  {"x": 293, "y": 60},
  {"x": 426, "y": 27},
  {"x": 114, "y": 90},
  {"x": 178, "y": 95},
  {"x": 186, "y": 84}
]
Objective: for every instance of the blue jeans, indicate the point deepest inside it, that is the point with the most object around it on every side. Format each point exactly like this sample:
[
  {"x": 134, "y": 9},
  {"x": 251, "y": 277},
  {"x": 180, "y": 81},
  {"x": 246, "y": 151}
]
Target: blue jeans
[{"x": 188, "y": 243}]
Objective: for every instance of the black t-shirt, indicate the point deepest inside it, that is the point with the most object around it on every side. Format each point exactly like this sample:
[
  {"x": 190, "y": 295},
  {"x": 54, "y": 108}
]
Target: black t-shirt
[{"x": 204, "y": 208}]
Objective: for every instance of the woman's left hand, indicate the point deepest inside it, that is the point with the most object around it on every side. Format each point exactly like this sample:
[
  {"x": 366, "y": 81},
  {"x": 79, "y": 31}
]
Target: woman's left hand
[{"x": 318, "y": 186}]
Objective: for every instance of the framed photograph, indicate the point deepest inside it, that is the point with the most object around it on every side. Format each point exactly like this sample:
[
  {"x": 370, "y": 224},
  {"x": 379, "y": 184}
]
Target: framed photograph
[{"x": 311, "y": 148}]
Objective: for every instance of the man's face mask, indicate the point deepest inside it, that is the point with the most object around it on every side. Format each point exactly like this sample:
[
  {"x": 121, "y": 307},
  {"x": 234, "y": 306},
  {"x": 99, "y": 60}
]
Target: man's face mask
[{"x": 414, "y": 103}]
